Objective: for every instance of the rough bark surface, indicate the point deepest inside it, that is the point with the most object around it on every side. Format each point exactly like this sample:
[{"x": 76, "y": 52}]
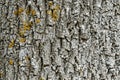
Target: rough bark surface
[{"x": 59, "y": 39}]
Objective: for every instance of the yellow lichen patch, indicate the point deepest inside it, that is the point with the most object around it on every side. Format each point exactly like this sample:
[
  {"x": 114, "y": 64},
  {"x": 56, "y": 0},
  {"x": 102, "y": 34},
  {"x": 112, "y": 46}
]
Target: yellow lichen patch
[
  {"x": 1, "y": 74},
  {"x": 27, "y": 58},
  {"x": 37, "y": 20},
  {"x": 19, "y": 11},
  {"x": 22, "y": 40},
  {"x": 55, "y": 15},
  {"x": 33, "y": 12},
  {"x": 27, "y": 26},
  {"x": 49, "y": 12},
  {"x": 11, "y": 44},
  {"x": 41, "y": 78},
  {"x": 30, "y": 23},
  {"x": 57, "y": 7},
  {"x": 21, "y": 32},
  {"x": 50, "y": 3},
  {"x": 11, "y": 62},
  {"x": 20, "y": 62},
  {"x": 28, "y": 12}
]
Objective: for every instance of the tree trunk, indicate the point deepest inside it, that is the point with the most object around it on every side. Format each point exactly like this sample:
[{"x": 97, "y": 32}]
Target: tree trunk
[{"x": 59, "y": 39}]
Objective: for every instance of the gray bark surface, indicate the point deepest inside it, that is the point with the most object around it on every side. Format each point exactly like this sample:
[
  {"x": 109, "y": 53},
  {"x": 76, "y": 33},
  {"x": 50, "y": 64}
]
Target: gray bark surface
[{"x": 59, "y": 39}]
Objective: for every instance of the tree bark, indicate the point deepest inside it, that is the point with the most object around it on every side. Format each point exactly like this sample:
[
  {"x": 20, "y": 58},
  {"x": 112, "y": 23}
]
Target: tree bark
[{"x": 59, "y": 39}]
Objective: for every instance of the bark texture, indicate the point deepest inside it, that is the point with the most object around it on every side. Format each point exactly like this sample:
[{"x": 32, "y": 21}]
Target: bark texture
[{"x": 59, "y": 39}]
